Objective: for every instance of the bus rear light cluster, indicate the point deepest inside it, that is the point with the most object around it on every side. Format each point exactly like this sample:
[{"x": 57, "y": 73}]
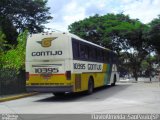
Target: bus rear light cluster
[
  {"x": 68, "y": 75},
  {"x": 27, "y": 76}
]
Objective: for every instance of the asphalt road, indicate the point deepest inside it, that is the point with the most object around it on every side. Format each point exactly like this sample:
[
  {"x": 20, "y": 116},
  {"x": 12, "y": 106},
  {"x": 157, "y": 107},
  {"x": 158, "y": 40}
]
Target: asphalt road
[{"x": 122, "y": 98}]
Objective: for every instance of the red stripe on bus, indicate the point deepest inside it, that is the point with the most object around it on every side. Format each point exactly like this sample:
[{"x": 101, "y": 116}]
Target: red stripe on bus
[{"x": 40, "y": 74}]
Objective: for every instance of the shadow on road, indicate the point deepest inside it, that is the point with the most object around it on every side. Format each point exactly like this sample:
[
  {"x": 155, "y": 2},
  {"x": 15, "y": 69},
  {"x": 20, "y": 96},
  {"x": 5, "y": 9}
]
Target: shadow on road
[{"x": 99, "y": 95}]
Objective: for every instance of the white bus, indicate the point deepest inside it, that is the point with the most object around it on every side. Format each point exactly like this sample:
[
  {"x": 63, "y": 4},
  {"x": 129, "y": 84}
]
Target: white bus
[{"x": 60, "y": 62}]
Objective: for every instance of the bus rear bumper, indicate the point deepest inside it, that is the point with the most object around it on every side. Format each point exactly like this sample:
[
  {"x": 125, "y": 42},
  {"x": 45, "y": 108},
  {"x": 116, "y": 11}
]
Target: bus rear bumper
[{"x": 49, "y": 88}]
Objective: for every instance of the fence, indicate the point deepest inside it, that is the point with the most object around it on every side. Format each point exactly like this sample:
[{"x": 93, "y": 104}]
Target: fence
[{"x": 11, "y": 82}]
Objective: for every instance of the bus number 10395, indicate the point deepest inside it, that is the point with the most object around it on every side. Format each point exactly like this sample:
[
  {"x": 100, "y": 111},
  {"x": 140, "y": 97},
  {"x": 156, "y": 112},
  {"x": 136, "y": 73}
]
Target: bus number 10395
[{"x": 46, "y": 70}]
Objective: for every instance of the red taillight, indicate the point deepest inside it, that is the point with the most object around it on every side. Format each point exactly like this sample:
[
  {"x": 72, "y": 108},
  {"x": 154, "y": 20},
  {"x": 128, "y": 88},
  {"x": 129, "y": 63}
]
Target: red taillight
[
  {"x": 68, "y": 75},
  {"x": 27, "y": 76}
]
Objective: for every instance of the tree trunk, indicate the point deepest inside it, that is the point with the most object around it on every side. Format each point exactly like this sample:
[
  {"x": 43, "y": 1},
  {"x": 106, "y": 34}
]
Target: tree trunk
[
  {"x": 135, "y": 75},
  {"x": 150, "y": 78},
  {"x": 150, "y": 71}
]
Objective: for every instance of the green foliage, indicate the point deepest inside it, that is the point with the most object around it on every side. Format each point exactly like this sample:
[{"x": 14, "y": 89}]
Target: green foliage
[
  {"x": 118, "y": 32},
  {"x": 9, "y": 30},
  {"x": 115, "y": 31},
  {"x": 147, "y": 65},
  {"x": 144, "y": 65},
  {"x": 15, "y": 58},
  {"x": 154, "y": 34},
  {"x": 2, "y": 42},
  {"x": 18, "y": 15}
]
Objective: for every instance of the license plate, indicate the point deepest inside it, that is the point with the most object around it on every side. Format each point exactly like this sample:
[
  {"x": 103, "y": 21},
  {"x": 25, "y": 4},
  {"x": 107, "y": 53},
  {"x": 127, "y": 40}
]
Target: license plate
[
  {"x": 46, "y": 70},
  {"x": 46, "y": 76}
]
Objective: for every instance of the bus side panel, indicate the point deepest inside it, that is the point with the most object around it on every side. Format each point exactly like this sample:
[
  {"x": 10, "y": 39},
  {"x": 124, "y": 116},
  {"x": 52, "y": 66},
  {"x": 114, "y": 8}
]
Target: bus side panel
[
  {"x": 99, "y": 79},
  {"x": 107, "y": 71},
  {"x": 81, "y": 81},
  {"x": 82, "y": 73}
]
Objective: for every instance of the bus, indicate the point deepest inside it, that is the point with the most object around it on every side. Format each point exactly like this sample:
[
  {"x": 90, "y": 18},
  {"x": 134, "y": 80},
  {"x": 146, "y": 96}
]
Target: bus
[{"x": 60, "y": 63}]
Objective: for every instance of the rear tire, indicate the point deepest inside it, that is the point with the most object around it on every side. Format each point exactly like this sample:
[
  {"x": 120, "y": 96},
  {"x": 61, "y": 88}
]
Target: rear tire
[
  {"x": 115, "y": 79},
  {"x": 61, "y": 94},
  {"x": 90, "y": 86}
]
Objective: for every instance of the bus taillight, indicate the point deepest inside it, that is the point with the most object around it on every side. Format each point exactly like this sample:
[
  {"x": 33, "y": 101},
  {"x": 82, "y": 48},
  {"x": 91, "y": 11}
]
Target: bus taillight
[
  {"x": 27, "y": 76},
  {"x": 68, "y": 75}
]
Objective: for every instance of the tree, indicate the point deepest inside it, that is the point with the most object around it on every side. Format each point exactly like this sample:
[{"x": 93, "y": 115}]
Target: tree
[
  {"x": 15, "y": 58},
  {"x": 18, "y": 15},
  {"x": 147, "y": 66},
  {"x": 89, "y": 29},
  {"x": 154, "y": 34},
  {"x": 2, "y": 41},
  {"x": 117, "y": 32}
]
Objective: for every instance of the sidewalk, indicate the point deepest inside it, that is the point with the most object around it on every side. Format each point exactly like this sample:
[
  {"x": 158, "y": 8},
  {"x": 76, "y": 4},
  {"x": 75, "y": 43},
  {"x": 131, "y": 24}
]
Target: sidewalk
[
  {"x": 4, "y": 98},
  {"x": 140, "y": 79}
]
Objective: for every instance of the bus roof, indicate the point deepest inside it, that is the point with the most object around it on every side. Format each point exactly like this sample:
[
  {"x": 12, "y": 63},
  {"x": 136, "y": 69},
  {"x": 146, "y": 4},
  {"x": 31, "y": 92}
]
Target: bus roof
[{"x": 72, "y": 36}]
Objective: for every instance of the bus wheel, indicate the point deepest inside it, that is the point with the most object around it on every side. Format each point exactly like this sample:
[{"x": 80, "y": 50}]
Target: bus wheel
[
  {"x": 61, "y": 94},
  {"x": 115, "y": 79},
  {"x": 90, "y": 86}
]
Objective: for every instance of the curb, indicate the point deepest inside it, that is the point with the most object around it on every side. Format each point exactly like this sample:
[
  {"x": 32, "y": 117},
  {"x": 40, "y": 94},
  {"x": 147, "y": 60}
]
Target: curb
[{"x": 17, "y": 96}]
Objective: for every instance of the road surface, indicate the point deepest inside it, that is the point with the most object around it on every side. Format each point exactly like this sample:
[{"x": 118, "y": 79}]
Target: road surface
[{"x": 123, "y": 98}]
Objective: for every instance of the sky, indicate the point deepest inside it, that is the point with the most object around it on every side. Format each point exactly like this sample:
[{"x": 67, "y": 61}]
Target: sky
[{"x": 65, "y": 12}]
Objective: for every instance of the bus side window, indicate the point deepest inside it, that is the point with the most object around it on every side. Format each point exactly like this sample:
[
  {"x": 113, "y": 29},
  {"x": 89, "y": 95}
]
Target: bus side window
[
  {"x": 92, "y": 53},
  {"x": 84, "y": 51},
  {"x": 106, "y": 56},
  {"x": 110, "y": 57},
  {"x": 75, "y": 46},
  {"x": 97, "y": 54},
  {"x": 100, "y": 55},
  {"x": 103, "y": 54},
  {"x": 115, "y": 59}
]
